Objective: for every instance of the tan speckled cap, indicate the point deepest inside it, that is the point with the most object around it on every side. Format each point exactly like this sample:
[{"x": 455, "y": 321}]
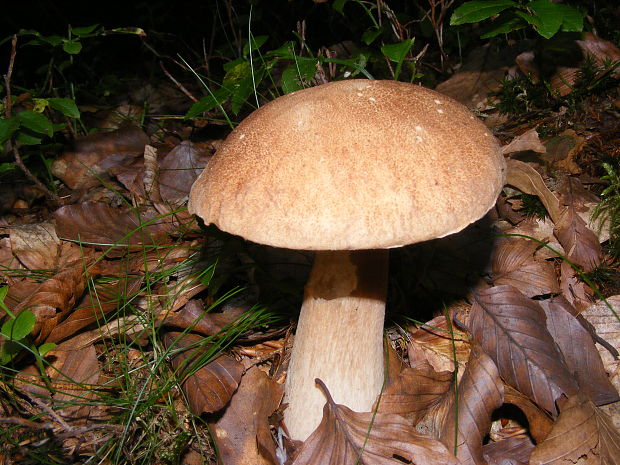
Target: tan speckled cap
[{"x": 351, "y": 165}]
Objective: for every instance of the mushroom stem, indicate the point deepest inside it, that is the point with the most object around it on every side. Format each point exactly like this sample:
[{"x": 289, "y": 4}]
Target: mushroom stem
[{"x": 339, "y": 337}]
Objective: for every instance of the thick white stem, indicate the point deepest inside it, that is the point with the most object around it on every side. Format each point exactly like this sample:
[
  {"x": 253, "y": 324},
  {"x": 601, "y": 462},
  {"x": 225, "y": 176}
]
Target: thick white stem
[{"x": 339, "y": 337}]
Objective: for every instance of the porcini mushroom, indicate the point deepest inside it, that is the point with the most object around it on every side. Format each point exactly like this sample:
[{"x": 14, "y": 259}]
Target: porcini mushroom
[{"x": 348, "y": 169}]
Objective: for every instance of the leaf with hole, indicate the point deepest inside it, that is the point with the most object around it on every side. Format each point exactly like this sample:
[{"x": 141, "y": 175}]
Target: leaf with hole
[{"x": 512, "y": 330}]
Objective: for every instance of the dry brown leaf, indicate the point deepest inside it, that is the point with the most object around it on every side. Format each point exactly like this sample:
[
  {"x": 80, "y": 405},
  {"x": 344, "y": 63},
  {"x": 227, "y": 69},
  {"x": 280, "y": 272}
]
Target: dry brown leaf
[
  {"x": 539, "y": 421},
  {"x": 179, "y": 169},
  {"x": 573, "y": 288},
  {"x": 193, "y": 315},
  {"x": 563, "y": 149},
  {"x": 481, "y": 391},
  {"x": 95, "y": 154},
  {"x": 525, "y": 178},
  {"x": 345, "y": 437},
  {"x": 514, "y": 264},
  {"x": 53, "y": 299},
  {"x": 103, "y": 226},
  {"x": 410, "y": 392},
  {"x": 93, "y": 307},
  {"x": 581, "y": 430},
  {"x": 607, "y": 326},
  {"x": 580, "y": 243},
  {"x": 579, "y": 351},
  {"x": 528, "y": 141},
  {"x": 511, "y": 451},
  {"x": 242, "y": 433},
  {"x": 209, "y": 388},
  {"x": 511, "y": 330},
  {"x": 433, "y": 343}
]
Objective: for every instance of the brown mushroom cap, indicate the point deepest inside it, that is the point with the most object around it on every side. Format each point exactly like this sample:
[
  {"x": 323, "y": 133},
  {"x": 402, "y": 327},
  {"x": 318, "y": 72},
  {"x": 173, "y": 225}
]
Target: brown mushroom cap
[{"x": 351, "y": 165}]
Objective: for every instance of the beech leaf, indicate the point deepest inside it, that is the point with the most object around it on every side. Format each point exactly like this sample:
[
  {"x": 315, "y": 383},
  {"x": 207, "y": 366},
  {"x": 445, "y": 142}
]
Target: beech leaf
[
  {"x": 345, "y": 437},
  {"x": 525, "y": 178},
  {"x": 481, "y": 392},
  {"x": 580, "y": 243},
  {"x": 580, "y": 353},
  {"x": 209, "y": 388},
  {"x": 582, "y": 429},
  {"x": 514, "y": 264},
  {"x": 511, "y": 329}
]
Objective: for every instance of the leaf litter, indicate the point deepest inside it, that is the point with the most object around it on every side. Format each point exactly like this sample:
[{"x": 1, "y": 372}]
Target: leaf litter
[{"x": 106, "y": 270}]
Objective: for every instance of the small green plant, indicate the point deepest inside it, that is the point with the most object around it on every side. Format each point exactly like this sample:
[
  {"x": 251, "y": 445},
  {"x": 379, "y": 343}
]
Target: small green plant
[
  {"x": 504, "y": 16},
  {"x": 532, "y": 207},
  {"x": 14, "y": 334},
  {"x": 607, "y": 212}
]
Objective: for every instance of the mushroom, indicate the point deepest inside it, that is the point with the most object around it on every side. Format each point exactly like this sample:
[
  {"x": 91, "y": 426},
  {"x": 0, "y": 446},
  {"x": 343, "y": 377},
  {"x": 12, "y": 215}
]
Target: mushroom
[{"x": 348, "y": 169}]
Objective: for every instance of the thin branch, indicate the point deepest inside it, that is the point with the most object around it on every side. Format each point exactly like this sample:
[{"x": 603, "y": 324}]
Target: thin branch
[{"x": 7, "y": 78}]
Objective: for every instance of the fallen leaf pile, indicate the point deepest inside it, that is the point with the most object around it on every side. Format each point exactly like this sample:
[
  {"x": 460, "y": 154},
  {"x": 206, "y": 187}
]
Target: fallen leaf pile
[{"x": 516, "y": 370}]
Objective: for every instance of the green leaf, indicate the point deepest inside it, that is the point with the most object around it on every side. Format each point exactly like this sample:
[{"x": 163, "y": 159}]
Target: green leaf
[
  {"x": 572, "y": 19},
  {"x": 27, "y": 139},
  {"x": 256, "y": 44},
  {"x": 36, "y": 122},
  {"x": 8, "y": 126},
  {"x": 84, "y": 31},
  {"x": 503, "y": 25},
  {"x": 338, "y": 5},
  {"x": 548, "y": 17},
  {"x": 8, "y": 351},
  {"x": 7, "y": 166},
  {"x": 397, "y": 52},
  {"x": 72, "y": 46},
  {"x": 66, "y": 106},
  {"x": 208, "y": 102},
  {"x": 45, "y": 348},
  {"x": 54, "y": 41},
  {"x": 298, "y": 74},
  {"x": 20, "y": 327},
  {"x": 479, "y": 10},
  {"x": 370, "y": 35}
]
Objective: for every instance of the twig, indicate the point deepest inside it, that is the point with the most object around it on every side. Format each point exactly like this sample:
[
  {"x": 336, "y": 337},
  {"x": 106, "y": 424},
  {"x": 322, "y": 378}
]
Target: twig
[
  {"x": 51, "y": 412},
  {"x": 19, "y": 162},
  {"x": 178, "y": 84},
  {"x": 7, "y": 78}
]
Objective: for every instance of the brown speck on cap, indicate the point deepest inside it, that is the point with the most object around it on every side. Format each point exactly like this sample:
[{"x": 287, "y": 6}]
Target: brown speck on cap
[{"x": 321, "y": 169}]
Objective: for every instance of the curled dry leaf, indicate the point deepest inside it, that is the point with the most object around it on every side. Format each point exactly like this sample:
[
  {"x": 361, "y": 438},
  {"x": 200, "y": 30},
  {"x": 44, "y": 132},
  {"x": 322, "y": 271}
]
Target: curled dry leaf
[
  {"x": 525, "y": 178},
  {"x": 511, "y": 329},
  {"x": 579, "y": 351},
  {"x": 37, "y": 247},
  {"x": 345, "y": 437},
  {"x": 579, "y": 242},
  {"x": 528, "y": 141},
  {"x": 586, "y": 430},
  {"x": 102, "y": 226},
  {"x": 514, "y": 264},
  {"x": 563, "y": 149},
  {"x": 481, "y": 391},
  {"x": 98, "y": 302},
  {"x": 209, "y": 388},
  {"x": 242, "y": 433},
  {"x": 95, "y": 154},
  {"x": 52, "y": 300},
  {"x": 539, "y": 421}
]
